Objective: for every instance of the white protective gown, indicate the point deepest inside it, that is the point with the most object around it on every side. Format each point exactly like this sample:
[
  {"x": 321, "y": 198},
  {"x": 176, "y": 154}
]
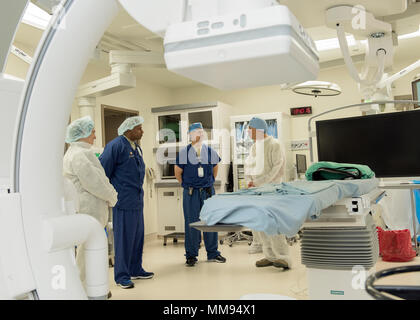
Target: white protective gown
[
  {"x": 266, "y": 164},
  {"x": 95, "y": 192}
]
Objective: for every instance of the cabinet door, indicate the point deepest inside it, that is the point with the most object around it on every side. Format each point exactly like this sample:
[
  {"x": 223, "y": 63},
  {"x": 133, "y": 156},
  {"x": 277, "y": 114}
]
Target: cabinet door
[
  {"x": 181, "y": 219},
  {"x": 169, "y": 211}
]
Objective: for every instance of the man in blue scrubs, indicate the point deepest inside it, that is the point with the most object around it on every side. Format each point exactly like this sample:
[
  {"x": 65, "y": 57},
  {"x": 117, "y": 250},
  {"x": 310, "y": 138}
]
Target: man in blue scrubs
[
  {"x": 123, "y": 162},
  {"x": 196, "y": 169}
]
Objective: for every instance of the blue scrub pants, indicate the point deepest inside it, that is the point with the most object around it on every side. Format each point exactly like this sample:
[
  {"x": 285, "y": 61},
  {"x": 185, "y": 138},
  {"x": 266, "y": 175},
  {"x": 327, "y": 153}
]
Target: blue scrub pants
[
  {"x": 192, "y": 207},
  {"x": 128, "y": 228}
]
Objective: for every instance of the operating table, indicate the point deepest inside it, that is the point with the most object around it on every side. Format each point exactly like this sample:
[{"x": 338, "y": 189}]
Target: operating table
[{"x": 284, "y": 208}]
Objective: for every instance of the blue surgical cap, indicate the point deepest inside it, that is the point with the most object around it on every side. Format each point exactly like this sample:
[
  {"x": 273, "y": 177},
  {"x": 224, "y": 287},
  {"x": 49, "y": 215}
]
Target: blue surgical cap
[
  {"x": 79, "y": 129},
  {"x": 259, "y": 124},
  {"x": 130, "y": 124},
  {"x": 195, "y": 126}
]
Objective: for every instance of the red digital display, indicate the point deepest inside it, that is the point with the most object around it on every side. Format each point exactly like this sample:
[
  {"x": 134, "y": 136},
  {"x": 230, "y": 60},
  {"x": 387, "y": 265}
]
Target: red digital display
[{"x": 300, "y": 111}]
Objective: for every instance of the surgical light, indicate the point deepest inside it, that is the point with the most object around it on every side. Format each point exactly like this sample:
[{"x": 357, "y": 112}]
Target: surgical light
[{"x": 317, "y": 89}]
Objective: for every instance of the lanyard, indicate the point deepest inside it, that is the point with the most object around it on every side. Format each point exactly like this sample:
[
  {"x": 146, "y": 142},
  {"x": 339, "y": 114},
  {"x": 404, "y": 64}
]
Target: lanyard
[
  {"x": 198, "y": 156},
  {"x": 200, "y": 170}
]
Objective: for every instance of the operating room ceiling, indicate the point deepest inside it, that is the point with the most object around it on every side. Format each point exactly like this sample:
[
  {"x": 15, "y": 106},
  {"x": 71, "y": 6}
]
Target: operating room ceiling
[
  {"x": 126, "y": 34},
  {"x": 312, "y": 13}
]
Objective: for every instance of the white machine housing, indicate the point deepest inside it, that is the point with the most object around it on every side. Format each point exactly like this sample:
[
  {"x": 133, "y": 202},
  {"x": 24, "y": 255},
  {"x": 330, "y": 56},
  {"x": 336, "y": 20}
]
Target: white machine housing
[
  {"x": 338, "y": 284},
  {"x": 266, "y": 47},
  {"x": 348, "y": 216},
  {"x": 10, "y": 92}
]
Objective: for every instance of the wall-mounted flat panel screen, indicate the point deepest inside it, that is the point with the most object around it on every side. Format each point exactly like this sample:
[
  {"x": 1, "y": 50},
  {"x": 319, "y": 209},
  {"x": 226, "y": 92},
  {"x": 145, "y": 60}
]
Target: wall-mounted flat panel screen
[
  {"x": 387, "y": 143},
  {"x": 416, "y": 92}
]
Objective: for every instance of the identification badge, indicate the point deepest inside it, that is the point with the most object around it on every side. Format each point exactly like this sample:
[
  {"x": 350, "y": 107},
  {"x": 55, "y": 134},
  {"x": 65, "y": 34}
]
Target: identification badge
[{"x": 200, "y": 172}]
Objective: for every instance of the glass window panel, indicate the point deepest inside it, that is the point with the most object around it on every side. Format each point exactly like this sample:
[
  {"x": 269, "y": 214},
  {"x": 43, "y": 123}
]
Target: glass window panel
[{"x": 169, "y": 128}]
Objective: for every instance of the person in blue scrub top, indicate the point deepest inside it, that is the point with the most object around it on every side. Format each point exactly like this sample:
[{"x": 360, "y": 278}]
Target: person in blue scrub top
[
  {"x": 196, "y": 168},
  {"x": 123, "y": 162}
]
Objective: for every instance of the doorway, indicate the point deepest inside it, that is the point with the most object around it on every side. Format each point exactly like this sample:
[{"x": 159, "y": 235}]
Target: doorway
[{"x": 112, "y": 118}]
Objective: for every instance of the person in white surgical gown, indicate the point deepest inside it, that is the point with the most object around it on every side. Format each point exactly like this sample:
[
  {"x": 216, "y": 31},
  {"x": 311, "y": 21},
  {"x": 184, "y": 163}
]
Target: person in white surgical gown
[
  {"x": 266, "y": 164},
  {"x": 84, "y": 170}
]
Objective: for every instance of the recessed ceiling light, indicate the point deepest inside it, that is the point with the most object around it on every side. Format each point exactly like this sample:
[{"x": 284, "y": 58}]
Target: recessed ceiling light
[
  {"x": 333, "y": 43},
  {"x": 36, "y": 17},
  {"x": 410, "y": 35}
]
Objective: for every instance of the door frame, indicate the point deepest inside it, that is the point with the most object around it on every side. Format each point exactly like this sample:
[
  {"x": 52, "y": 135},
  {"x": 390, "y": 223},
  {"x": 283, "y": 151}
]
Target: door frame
[{"x": 108, "y": 107}]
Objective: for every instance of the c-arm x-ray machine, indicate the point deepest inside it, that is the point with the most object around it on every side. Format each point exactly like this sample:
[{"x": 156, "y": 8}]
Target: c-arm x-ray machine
[{"x": 226, "y": 44}]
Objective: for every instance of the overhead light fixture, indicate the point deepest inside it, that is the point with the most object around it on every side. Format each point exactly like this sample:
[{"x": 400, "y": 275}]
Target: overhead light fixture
[
  {"x": 21, "y": 54},
  {"x": 36, "y": 17},
  {"x": 333, "y": 43},
  {"x": 410, "y": 35},
  {"x": 317, "y": 89}
]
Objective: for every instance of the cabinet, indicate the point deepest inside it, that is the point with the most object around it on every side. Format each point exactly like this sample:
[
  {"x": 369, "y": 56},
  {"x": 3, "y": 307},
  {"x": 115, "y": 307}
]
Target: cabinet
[
  {"x": 170, "y": 213},
  {"x": 278, "y": 127},
  {"x": 172, "y": 122},
  {"x": 171, "y": 127}
]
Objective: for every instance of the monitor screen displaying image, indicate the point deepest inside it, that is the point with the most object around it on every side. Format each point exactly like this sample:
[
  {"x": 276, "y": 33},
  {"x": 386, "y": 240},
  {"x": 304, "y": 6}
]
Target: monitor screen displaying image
[
  {"x": 387, "y": 143},
  {"x": 243, "y": 141}
]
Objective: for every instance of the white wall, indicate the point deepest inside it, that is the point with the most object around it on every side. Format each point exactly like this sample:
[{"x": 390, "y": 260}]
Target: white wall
[{"x": 16, "y": 67}]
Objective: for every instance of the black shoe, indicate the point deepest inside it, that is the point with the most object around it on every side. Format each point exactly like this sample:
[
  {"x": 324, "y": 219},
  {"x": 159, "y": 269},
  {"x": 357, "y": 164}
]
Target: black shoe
[
  {"x": 126, "y": 284},
  {"x": 191, "y": 262},
  {"x": 218, "y": 259},
  {"x": 144, "y": 275},
  {"x": 109, "y": 295}
]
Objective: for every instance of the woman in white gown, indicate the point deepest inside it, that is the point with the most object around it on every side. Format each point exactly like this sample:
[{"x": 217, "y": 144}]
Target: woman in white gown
[{"x": 82, "y": 167}]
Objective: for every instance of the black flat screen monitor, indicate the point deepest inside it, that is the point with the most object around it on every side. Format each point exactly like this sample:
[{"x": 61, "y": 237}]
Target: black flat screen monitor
[
  {"x": 387, "y": 143},
  {"x": 416, "y": 92}
]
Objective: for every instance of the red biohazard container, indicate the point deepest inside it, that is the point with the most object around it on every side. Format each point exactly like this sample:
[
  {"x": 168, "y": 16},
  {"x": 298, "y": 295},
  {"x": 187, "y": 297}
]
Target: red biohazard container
[{"x": 395, "y": 245}]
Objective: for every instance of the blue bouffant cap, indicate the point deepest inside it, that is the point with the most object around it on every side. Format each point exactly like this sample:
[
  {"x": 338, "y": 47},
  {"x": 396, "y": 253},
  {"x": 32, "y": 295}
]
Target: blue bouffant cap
[
  {"x": 195, "y": 126},
  {"x": 259, "y": 124}
]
